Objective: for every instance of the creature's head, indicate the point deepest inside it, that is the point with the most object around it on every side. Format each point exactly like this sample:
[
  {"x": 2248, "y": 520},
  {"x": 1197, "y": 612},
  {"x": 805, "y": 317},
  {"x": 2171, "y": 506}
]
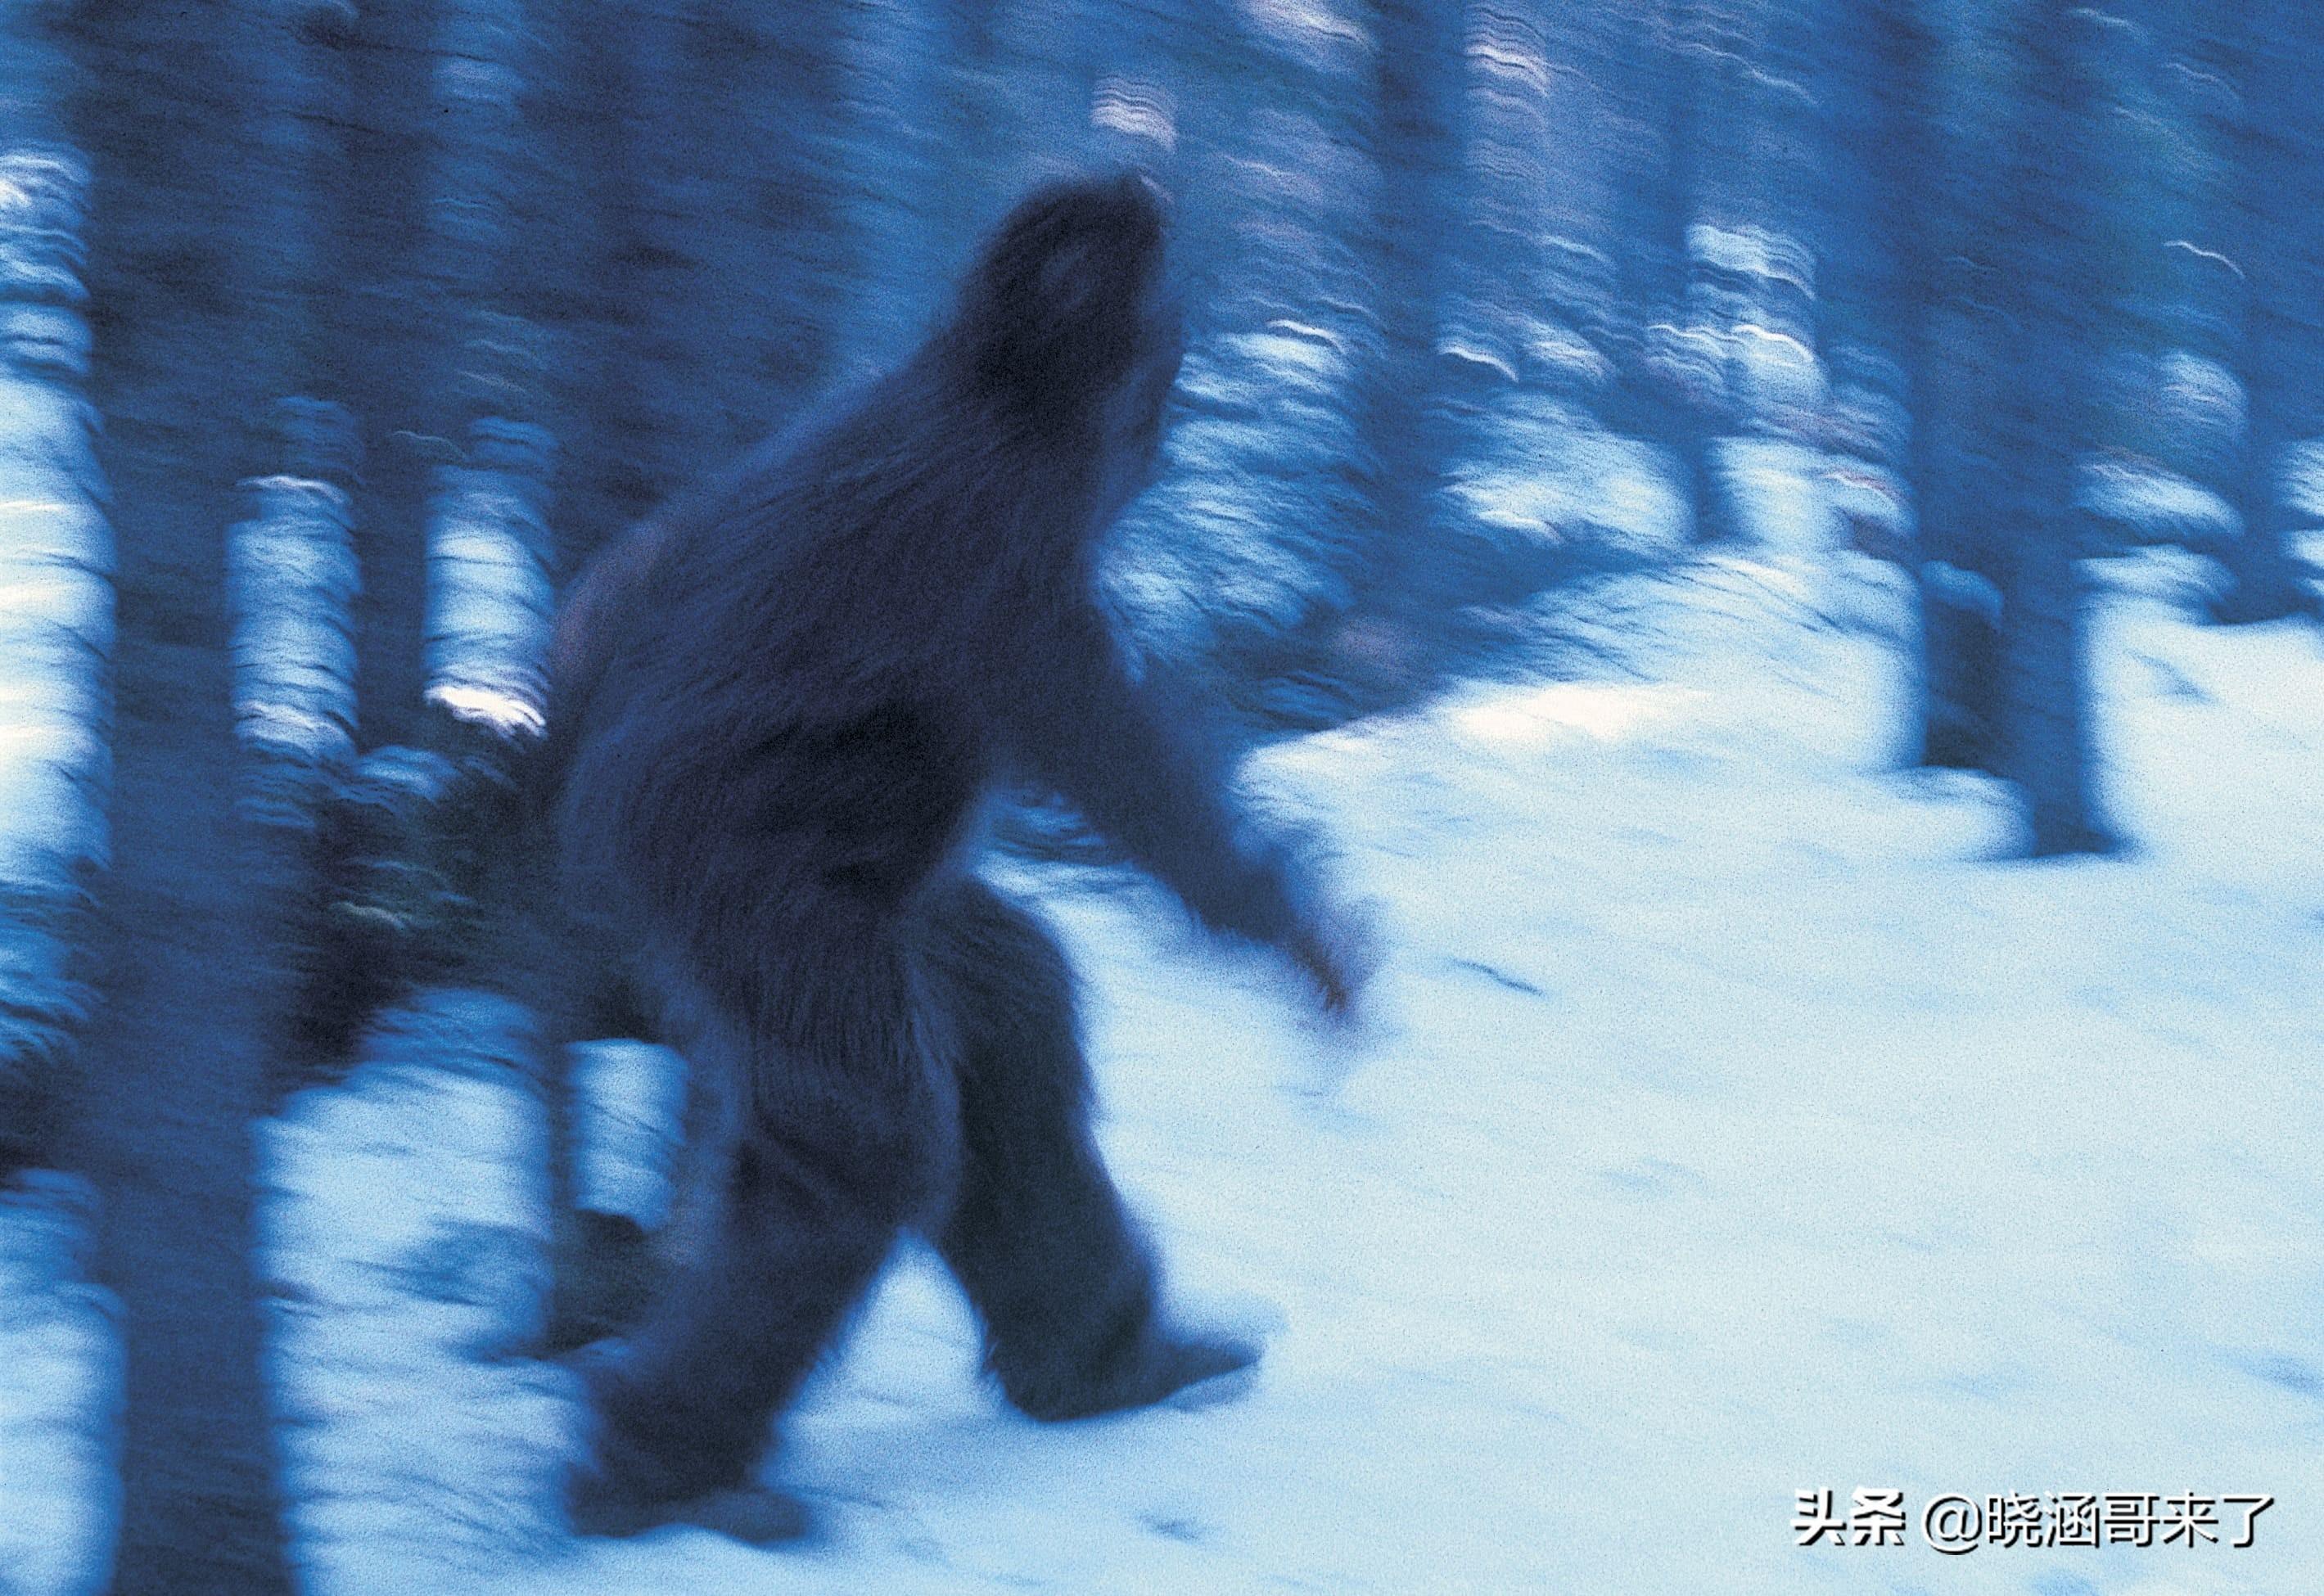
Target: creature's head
[{"x": 1068, "y": 316}]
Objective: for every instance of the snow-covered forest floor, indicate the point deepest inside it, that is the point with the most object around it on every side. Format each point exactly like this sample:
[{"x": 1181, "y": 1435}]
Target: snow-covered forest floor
[{"x": 1728, "y": 1124}]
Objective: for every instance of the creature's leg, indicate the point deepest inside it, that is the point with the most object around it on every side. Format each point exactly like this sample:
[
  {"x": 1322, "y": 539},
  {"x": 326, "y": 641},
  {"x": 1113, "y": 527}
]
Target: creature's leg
[
  {"x": 844, "y": 1131},
  {"x": 604, "y": 1262},
  {"x": 1037, "y": 1234}
]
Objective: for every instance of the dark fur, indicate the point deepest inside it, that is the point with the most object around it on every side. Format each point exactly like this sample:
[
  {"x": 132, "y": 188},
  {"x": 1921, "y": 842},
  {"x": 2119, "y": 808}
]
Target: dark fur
[{"x": 779, "y": 709}]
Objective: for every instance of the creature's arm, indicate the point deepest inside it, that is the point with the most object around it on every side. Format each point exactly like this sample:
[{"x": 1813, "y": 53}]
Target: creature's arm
[{"x": 1126, "y": 756}]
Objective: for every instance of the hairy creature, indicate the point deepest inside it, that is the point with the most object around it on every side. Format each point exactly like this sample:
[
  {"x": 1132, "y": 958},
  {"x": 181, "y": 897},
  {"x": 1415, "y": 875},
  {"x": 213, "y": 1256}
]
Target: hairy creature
[{"x": 778, "y": 710}]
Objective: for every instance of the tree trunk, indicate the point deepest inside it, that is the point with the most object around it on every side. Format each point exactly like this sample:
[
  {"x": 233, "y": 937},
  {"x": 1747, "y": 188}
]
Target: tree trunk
[
  {"x": 58, "y": 1339},
  {"x": 1885, "y": 212},
  {"x": 56, "y": 631},
  {"x": 1957, "y": 352},
  {"x": 201, "y": 128},
  {"x": 1675, "y": 377},
  {"x": 2277, "y": 240},
  {"x": 2052, "y": 295},
  {"x": 1415, "y": 88}
]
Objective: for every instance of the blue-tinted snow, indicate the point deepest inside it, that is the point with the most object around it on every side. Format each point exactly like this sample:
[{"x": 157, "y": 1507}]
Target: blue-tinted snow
[
  {"x": 1727, "y": 1127},
  {"x": 291, "y": 576},
  {"x": 59, "y": 1394}
]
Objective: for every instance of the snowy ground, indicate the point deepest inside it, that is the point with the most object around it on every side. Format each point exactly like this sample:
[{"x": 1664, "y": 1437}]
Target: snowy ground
[{"x": 1728, "y": 1127}]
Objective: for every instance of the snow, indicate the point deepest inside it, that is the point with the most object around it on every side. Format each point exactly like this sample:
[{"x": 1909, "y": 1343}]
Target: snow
[
  {"x": 1730, "y": 1119},
  {"x": 59, "y": 1394},
  {"x": 56, "y": 630},
  {"x": 488, "y": 597},
  {"x": 1534, "y": 471}
]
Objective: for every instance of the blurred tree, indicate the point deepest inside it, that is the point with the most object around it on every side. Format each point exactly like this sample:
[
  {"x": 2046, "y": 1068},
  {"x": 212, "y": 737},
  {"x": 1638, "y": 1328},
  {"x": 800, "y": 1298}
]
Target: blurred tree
[
  {"x": 210, "y": 135},
  {"x": 1973, "y": 293},
  {"x": 1959, "y": 349},
  {"x": 1416, "y": 82},
  {"x": 1496, "y": 261},
  {"x": 377, "y": 354},
  {"x": 1680, "y": 192},
  {"x": 2165, "y": 409},
  {"x": 1526, "y": 261},
  {"x": 730, "y": 201},
  {"x": 1780, "y": 114},
  {"x": 1255, "y": 528},
  {"x": 2183, "y": 408},
  {"x": 1870, "y": 64},
  {"x": 2273, "y": 51},
  {"x": 1901, "y": 328},
  {"x": 488, "y": 557},
  {"x": 1578, "y": 169},
  {"x": 56, "y": 561},
  {"x": 893, "y": 213},
  {"x": 2054, "y": 299},
  {"x": 1645, "y": 202}
]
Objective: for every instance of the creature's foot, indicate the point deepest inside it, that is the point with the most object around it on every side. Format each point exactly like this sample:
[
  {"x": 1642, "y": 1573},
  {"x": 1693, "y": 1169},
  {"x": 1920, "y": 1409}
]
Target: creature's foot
[
  {"x": 1158, "y": 1366},
  {"x": 626, "y": 1484},
  {"x": 755, "y": 1515}
]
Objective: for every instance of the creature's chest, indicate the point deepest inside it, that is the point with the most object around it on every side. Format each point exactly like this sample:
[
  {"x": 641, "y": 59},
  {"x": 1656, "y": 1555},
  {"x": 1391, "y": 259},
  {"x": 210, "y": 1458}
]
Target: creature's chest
[{"x": 882, "y": 801}]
